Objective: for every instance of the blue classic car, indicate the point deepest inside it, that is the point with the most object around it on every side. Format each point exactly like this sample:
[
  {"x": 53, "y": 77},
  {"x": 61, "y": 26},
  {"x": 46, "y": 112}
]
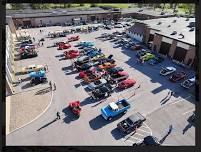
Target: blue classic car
[
  {"x": 114, "y": 109},
  {"x": 86, "y": 44},
  {"x": 40, "y": 74}
]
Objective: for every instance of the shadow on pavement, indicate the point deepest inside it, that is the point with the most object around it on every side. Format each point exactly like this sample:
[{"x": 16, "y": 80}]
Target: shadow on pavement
[
  {"x": 47, "y": 124},
  {"x": 77, "y": 85},
  {"x": 27, "y": 85},
  {"x": 77, "y": 77},
  {"x": 67, "y": 68},
  {"x": 43, "y": 91},
  {"x": 26, "y": 79},
  {"x": 71, "y": 72},
  {"x": 86, "y": 101},
  {"x": 117, "y": 134},
  {"x": 60, "y": 55},
  {"x": 69, "y": 116},
  {"x": 99, "y": 122}
]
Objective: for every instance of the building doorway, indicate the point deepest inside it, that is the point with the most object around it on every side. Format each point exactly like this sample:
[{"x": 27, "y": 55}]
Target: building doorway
[
  {"x": 164, "y": 49},
  {"x": 180, "y": 54}
]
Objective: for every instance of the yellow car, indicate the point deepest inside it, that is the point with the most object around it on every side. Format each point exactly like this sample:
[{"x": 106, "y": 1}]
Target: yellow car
[{"x": 32, "y": 68}]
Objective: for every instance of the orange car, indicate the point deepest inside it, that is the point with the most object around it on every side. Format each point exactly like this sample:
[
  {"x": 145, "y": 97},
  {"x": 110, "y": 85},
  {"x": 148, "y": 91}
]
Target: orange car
[
  {"x": 107, "y": 65},
  {"x": 91, "y": 78}
]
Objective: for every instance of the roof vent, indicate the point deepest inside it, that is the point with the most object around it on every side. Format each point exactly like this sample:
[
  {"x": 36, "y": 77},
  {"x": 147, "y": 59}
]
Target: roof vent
[
  {"x": 174, "y": 33},
  {"x": 181, "y": 36},
  {"x": 192, "y": 29},
  {"x": 159, "y": 23},
  {"x": 169, "y": 25},
  {"x": 174, "y": 21},
  {"x": 140, "y": 10}
]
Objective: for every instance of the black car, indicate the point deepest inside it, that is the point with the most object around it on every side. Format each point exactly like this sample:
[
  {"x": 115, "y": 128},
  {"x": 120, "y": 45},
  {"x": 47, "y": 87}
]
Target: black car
[
  {"x": 38, "y": 80},
  {"x": 108, "y": 27},
  {"x": 26, "y": 55},
  {"x": 131, "y": 123},
  {"x": 104, "y": 60},
  {"x": 148, "y": 141},
  {"x": 82, "y": 60},
  {"x": 114, "y": 70},
  {"x": 102, "y": 92},
  {"x": 142, "y": 53},
  {"x": 86, "y": 66}
]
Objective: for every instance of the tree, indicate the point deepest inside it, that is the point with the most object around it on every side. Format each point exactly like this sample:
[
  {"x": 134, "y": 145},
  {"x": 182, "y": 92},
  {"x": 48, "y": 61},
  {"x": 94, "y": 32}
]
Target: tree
[
  {"x": 175, "y": 7},
  {"x": 81, "y": 4},
  {"x": 93, "y": 5},
  {"x": 69, "y": 5}
]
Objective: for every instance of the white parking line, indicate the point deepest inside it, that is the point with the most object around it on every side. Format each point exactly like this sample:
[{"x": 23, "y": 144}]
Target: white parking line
[
  {"x": 144, "y": 131},
  {"x": 144, "y": 127},
  {"x": 188, "y": 111},
  {"x": 139, "y": 134}
]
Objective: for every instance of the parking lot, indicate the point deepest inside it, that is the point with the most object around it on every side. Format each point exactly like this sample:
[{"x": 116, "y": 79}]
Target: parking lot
[{"x": 91, "y": 128}]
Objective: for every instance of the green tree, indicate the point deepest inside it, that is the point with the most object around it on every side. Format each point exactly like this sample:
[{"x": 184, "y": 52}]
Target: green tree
[{"x": 93, "y": 5}]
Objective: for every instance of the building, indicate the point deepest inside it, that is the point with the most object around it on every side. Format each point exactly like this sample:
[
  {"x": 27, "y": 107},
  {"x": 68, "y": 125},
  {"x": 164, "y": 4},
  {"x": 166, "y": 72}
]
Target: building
[
  {"x": 144, "y": 13},
  {"x": 10, "y": 69},
  {"x": 173, "y": 37},
  {"x": 36, "y": 18}
]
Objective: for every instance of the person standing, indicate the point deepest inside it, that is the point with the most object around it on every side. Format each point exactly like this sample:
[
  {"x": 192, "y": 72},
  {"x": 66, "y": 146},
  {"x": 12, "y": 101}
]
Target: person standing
[
  {"x": 171, "y": 93},
  {"x": 58, "y": 115},
  {"x": 33, "y": 39},
  {"x": 50, "y": 83},
  {"x": 54, "y": 86}
]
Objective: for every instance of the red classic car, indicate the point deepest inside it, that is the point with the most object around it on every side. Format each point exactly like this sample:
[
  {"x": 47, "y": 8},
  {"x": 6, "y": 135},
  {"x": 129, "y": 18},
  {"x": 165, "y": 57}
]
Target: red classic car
[
  {"x": 63, "y": 46},
  {"x": 177, "y": 76},
  {"x": 73, "y": 38},
  {"x": 71, "y": 54},
  {"x": 126, "y": 83},
  {"x": 92, "y": 70}
]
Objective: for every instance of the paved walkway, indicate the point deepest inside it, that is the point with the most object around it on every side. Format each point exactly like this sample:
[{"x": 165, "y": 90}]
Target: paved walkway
[
  {"x": 7, "y": 114},
  {"x": 26, "y": 106}
]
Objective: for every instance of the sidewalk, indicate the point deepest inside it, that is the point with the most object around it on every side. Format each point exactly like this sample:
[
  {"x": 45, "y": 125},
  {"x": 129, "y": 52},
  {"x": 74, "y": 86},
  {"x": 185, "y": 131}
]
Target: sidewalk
[
  {"x": 7, "y": 114},
  {"x": 26, "y": 106}
]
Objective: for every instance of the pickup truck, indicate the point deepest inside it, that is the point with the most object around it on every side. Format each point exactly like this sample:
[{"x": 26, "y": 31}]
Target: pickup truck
[
  {"x": 114, "y": 109},
  {"x": 131, "y": 123}
]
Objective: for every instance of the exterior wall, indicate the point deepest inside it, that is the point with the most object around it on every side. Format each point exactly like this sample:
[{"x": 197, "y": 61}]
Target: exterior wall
[
  {"x": 58, "y": 19},
  {"x": 147, "y": 33},
  {"x": 10, "y": 22},
  {"x": 157, "y": 42},
  {"x": 172, "y": 48},
  {"x": 135, "y": 36},
  {"x": 190, "y": 55}
]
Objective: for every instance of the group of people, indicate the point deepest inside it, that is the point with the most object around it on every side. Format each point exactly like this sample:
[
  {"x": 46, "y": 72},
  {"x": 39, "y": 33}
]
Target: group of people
[{"x": 54, "y": 85}]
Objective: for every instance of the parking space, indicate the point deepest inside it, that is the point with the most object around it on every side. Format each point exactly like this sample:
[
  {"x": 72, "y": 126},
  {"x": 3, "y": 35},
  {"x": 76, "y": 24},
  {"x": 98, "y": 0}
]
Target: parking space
[{"x": 149, "y": 96}]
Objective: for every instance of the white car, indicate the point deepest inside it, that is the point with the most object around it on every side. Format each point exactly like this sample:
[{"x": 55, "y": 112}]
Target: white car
[
  {"x": 118, "y": 26},
  {"x": 188, "y": 83},
  {"x": 32, "y": 68},
  {"x": 96, "y": 84},
  {"x": 167, "y": 71}
]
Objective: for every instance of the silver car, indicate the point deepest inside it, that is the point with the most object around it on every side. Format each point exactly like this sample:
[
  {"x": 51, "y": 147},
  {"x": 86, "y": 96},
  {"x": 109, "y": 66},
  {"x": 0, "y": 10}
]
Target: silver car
[{"x": 96, "y": 84}]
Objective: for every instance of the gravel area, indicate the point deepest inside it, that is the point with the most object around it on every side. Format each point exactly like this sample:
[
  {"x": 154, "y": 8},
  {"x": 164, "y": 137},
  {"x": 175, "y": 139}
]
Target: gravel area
[{"x": 27, "y": 105}]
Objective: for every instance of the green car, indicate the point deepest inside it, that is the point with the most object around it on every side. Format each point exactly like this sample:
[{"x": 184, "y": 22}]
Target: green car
[{"x": 147, "y": 56}]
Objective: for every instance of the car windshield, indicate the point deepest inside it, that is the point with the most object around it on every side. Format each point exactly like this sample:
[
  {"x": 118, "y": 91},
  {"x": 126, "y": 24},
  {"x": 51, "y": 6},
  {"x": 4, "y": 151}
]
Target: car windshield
[{"x": 129, "y": 121}]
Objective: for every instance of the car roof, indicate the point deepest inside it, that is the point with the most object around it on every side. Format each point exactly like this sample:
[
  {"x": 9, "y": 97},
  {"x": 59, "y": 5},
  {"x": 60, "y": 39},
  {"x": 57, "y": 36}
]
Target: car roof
[
  {"x": 192, "y": 79},
  {"x": 136, "y": 117},
  {"x": 150, "y": 140},
  {"x": 170, "y": 68},
  {"x": 122, "y": 73}
]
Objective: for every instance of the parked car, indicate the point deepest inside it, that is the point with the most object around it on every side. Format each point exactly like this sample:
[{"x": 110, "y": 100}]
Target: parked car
[
  {"x": 102, "y": 92},
  {"x": 188, "y": 83},
  {"x": 86, "y": 66},
  {"x": 37, "y": 80},
  {"x": 119, "y": 76},
  {"x": 147, "y": 56},
  {"x": 142, "y": 53},
  {"x": 118, "y": 26},
  {"x": 137, "y": 47},
  {"x": 26, "y": 55},
  {"x": 114, "y": 70},
  {"x": 40, "y": 73},
  {"x": 73, "y": 38},
  {"x": 63, "y": 46},
  {"x": 32, "y": 68},
  {"x": 114, "y": 109},
  {"x": 177, "y": 76},
  {"x": 156, "y": 60},
  {"x": 81, "y": 60},
  {"x": 167, "y": 71},
  {"x": 126, "y": 83},
  {"x": 107, "y": 65},
  {"x": 131, "y": 123},
  {"x": 148, "y": 141},
  {"x": 91, "y": 78},
  {"x": 96, "y": 84}
]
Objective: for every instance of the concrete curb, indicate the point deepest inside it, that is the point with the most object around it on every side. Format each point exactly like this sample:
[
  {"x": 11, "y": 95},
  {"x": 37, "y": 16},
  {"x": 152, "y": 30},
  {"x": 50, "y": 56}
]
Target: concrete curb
[{"x": 36, "y": 116}]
